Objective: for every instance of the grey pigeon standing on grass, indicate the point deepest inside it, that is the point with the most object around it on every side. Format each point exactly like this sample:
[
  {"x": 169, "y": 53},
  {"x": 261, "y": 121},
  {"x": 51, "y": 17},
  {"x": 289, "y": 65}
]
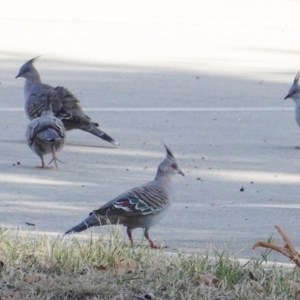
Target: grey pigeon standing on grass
[
  {"x": 294, "y": 93},
  {"x": 140, "y": 207},
  {"x": 46, "y": 134},
  {"x": 64, "y": 104}
]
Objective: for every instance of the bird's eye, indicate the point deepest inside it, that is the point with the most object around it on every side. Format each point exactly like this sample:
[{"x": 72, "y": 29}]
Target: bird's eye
[{"x": 174, "y": 166}]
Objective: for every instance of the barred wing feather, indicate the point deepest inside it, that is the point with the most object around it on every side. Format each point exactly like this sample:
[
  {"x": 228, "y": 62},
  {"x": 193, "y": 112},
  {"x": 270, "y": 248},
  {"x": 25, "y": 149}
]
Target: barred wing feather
[{"x": 142, "y": 200}]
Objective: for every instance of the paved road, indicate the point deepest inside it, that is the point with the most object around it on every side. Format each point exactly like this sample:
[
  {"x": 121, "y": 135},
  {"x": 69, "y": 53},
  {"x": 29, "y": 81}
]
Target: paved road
[{"x": 208, "y": 79}]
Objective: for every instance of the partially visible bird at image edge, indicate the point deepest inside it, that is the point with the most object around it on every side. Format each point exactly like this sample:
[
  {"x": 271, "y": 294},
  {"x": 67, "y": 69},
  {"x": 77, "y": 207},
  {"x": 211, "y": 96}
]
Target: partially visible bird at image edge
[{"x": 294, "y": 93}]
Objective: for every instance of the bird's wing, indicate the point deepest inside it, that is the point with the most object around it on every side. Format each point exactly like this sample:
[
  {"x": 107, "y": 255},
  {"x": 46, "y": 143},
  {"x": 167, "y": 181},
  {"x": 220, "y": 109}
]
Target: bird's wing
[
  {"x": 31, "y": 129},
  {"x": 69, "y": 101},
  {"x": 35, "y": 104},
  {"x": 37, "y": 100},
  {"x": 144, "y": 200},
  {"x": 71, "y": 109}
]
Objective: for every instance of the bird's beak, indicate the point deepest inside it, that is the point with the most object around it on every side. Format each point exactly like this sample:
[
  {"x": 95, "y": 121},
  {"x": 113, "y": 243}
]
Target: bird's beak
[
  {"x": 181, "y": 173},
  {"x": 17, "y": 76},
  {"x": 287, "y": 96}
]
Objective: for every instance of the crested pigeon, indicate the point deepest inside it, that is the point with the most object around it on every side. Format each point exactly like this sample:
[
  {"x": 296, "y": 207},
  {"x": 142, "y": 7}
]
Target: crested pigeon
[
  {"x": 294, "y": 93},
  {"x": 140, "y": 207},
  {"x": 46, "y": 134},
  {"x": 64, "y": 104}
]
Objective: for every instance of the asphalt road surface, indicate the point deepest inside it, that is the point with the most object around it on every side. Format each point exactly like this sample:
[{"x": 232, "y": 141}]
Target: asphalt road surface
[{"x": 208, "y": 78}]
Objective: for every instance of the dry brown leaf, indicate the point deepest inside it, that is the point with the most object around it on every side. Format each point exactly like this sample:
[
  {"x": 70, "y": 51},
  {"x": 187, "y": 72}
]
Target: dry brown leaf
[
  {"x": 284, "y": 235},
  {"x": 273, "y": 247},
  {"x": 288, "y": 250},
  {"x": 286, "y": 239},
  {"x": 125, "y": 266},
  {"x": 208, "y": 279},
  {"x": 121, "y": 266},
  {"x": 101, "y": 268},
  {"x": 16, "y": 295},
  {"x": 256, "y": 286},
  {"x": 32, "y": 278}
]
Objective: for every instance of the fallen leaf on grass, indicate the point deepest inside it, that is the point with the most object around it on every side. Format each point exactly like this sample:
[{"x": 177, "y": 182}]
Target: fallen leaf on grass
[
  {"x": 208, "y": 279},
  {"x": 287, "y": 250},
  {"x": 32, "y": 278},
  {"x": 256, "y": 286},
  {"x": 16, "y": 295},
  {"x": 125, "y": 266},
  {"x": 121, "y": 266},
  {"x": 101, "y": 268}
]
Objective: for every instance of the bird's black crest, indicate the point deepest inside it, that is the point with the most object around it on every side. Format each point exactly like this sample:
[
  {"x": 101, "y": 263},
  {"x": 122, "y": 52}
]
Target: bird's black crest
[
  {"x": 169, "y": 152},
  {"x": 297, "y": 77},
  {"x": 34, "y": 59}
]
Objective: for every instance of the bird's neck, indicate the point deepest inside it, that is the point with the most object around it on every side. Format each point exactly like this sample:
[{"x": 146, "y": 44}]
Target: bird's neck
[
  {"x": 30, "y": 84},
  {"x": 297, "y": 100},
  {"x": 297, "y": 113},
  {"x": 163, "y": 178}
]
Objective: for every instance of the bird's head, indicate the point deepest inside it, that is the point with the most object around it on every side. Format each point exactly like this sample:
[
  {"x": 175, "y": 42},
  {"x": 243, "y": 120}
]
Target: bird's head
[
  {"x": 294, "y": 91},
  {"x": 28, "y": 71},
  {"x": 169, "y": 165}
]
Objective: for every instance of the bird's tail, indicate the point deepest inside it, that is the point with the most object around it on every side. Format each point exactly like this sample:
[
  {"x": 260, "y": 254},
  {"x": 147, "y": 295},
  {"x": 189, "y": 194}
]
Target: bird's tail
[
  {"x": 97, "y": 132},
  {"x": 92, "y": 220}
]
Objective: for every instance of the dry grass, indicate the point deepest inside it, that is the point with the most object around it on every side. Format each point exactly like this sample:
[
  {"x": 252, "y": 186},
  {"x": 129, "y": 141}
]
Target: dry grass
[{"x": 53, "y": 268}]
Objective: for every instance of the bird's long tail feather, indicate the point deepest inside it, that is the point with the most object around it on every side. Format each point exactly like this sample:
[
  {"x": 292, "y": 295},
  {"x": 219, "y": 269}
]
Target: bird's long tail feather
[
  {"x": 92, "y": 220},
  {"x": 97, "y": 132}
]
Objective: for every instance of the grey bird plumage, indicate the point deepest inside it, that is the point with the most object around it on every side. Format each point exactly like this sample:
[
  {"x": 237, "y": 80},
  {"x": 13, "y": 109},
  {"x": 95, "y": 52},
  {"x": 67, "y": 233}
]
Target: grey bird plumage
[
  {"x": 294, "y": 93},
  {"x": 140, "y": 207},
  {"x": 46, "y": 134},
  {"x": 65, "y": 105}
]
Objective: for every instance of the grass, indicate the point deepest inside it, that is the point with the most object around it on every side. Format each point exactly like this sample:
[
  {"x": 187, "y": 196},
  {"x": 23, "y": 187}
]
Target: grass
[{"x": 54, "y": 268}]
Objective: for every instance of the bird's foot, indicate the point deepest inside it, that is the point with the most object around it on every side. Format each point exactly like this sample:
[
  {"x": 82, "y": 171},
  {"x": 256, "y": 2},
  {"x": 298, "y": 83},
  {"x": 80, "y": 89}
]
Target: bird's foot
[
  {"x": 153, "y": 246},
  {"x": 44, "y": 167},
  {"x": 55, "y": 159}
]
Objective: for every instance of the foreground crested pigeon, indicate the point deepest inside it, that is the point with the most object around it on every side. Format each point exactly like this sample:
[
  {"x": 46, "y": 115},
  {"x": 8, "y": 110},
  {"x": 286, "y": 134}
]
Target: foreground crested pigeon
[
  {"x": 140, "y": 207},
  {"x": 64, "y": 104},
  {"x": 46, "y": 134}
]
